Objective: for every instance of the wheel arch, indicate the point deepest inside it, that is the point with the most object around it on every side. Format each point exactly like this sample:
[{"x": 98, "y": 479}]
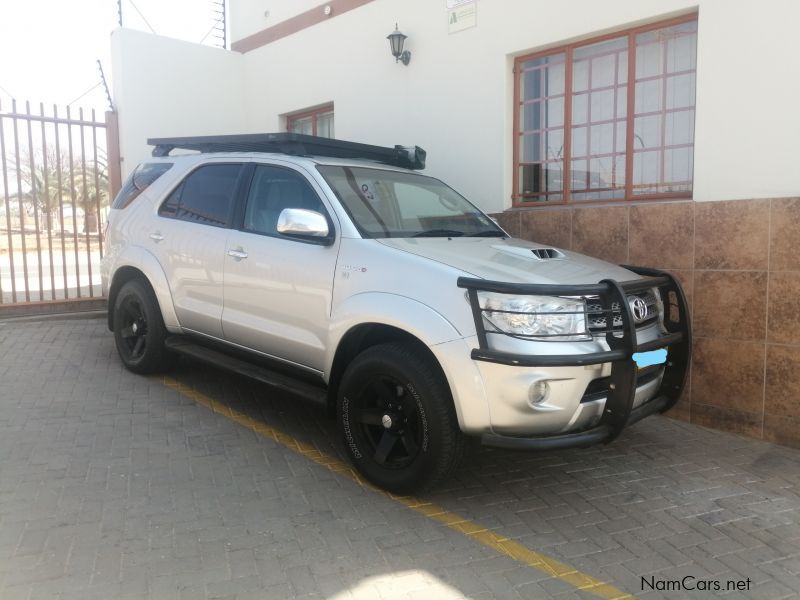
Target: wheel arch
[
  {"x": 122, "y": 276},
  {"x": 140, "y": 264},
  {"x": 365, "y": 335},
  {"x": 374, "y": 317},
  {"x": 371, "y": 318}
]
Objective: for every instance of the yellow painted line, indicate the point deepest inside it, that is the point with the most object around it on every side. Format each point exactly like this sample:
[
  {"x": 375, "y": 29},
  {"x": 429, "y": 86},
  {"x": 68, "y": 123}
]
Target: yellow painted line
[{"x": 474, "y": 531}]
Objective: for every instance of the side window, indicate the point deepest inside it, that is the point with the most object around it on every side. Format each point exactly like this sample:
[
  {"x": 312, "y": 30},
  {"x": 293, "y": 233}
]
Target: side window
[
  {"x": 205, "y": 196},
  {"x": 272, "y": 190}
]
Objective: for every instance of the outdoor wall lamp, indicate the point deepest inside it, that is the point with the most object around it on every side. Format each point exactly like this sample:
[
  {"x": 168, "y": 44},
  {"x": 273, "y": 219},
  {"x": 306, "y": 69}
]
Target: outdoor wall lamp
[{"x": 396, "y": 40}]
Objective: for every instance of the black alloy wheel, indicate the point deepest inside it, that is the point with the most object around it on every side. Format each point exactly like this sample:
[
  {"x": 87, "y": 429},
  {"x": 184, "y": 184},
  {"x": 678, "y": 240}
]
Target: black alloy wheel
[
  {"x": 389, "y": 419},
  {"x": 133, "y": 327},
  {"x": 139, "y": 330},
  {"x": 397, "y": 418}
]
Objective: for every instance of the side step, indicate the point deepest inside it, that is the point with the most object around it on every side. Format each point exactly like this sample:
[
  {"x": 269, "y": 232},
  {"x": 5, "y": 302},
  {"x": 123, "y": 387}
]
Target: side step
[{"x": 280, "y": 381}]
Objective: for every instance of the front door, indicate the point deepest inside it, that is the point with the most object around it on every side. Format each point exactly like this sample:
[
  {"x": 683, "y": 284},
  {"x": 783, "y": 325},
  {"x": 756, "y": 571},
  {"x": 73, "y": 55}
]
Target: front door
[{"x": 278, "y": 289}]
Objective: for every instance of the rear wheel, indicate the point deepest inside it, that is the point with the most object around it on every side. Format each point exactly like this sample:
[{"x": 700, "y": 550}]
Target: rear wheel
[
  {"x": 139, "y": 330},
  {"x": 397, "y": 418}
]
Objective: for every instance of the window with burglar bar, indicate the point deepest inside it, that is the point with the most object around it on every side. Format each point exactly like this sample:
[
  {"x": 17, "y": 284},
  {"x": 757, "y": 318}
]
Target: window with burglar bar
[{"x": 608, "y": 119}]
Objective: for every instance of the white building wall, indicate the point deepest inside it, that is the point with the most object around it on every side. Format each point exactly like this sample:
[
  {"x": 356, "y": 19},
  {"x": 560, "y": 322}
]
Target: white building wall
[
  {"x": 748, "y": 85},
  {"x": 451, "y": 99},
  {"x": 251, "y": 16},
  {"x": 164, "y": 87},
  {"x": 455, "y": 98}
]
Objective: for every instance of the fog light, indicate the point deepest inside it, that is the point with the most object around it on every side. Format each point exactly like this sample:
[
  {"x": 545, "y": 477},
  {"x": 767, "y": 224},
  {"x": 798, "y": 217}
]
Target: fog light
[{"x": 538, "y": 392}]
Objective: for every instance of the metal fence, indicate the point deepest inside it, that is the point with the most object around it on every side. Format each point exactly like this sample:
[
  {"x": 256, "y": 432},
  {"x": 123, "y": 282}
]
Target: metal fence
[{"x": 58, "y": 172}]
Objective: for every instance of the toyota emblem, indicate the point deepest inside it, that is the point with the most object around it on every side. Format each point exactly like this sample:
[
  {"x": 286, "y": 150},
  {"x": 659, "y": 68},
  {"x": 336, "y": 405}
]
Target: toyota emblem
[{"x": 638, "y": 308}]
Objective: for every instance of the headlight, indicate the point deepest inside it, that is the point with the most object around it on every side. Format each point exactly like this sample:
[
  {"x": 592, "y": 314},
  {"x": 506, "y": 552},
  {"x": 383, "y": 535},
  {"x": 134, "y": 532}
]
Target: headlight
[{"x": 546, "y": 318}]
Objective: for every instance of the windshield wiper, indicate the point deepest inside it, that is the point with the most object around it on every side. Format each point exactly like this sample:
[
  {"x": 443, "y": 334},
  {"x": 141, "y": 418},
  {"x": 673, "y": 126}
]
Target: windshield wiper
[
  {"x": 488, "y": 233},
  {"x": 439, "y": 233}
]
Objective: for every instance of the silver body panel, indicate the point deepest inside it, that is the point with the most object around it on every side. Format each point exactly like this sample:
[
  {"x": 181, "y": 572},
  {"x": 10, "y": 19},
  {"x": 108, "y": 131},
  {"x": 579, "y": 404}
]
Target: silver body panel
[
  {"x": 296, "y": 301},
  {"x": 193, "y": 257},
  {"x": 278, "y": 298}
]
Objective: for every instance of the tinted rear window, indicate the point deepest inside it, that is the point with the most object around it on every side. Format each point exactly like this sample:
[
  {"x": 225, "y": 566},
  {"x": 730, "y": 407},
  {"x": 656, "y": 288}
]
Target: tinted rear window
[
  {"x": 142, "y": 177},
  {"x": 205, "y": 196}
]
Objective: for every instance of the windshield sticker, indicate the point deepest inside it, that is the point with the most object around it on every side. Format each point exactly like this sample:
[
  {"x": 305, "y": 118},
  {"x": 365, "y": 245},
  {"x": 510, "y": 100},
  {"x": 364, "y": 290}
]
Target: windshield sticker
[
  {"x": 367, "y": 194},
  {"x": 376, "y": 192}
]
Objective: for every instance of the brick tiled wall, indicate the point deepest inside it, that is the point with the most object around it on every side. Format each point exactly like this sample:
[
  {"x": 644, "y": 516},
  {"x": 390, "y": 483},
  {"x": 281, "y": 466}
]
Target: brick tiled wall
[{"x": 739, "y": 263}]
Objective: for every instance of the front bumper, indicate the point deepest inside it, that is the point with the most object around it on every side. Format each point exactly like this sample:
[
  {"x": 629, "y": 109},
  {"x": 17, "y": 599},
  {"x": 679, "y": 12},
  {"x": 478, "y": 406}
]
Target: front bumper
[
  {"x": 620, "y": 408},
  {"x": 580, "y": 439}
]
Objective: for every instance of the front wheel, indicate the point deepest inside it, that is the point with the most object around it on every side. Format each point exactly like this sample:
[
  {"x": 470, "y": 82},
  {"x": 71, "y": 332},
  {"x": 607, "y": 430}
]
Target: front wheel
[
  {"x": 397, "y": 418},
  {"x": 139, "y": 330}
]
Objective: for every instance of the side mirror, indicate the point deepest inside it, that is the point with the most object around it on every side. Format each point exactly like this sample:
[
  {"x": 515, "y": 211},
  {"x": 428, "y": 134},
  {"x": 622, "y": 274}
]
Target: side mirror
[{"x": 303, "y": 223}]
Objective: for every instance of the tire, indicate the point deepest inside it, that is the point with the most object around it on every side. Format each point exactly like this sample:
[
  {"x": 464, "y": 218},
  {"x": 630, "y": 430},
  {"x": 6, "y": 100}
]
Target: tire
[
  {"x": 397, "y": 419},
  {"x": 139, "y": 330}
]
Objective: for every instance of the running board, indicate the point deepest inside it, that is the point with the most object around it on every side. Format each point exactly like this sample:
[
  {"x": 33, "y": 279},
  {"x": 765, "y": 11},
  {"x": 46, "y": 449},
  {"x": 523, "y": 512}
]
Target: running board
[{"x": 280, "y": 381}]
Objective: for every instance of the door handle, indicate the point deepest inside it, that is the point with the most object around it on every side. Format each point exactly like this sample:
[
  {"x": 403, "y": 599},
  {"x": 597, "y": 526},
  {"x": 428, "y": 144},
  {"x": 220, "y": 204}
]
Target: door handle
[
  {"x": 238, "y": 254},
  {"x": 156, "y": 236}
]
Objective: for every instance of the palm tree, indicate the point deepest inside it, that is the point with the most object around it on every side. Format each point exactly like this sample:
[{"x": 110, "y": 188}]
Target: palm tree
[
  {"x": 47, "y": 181},
  {"x": 91, "y": 190}
]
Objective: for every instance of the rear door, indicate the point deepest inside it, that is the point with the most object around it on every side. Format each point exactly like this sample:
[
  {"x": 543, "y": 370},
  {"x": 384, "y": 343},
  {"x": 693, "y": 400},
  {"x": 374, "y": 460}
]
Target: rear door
[
  {"x": 278, "y": 289},
  {"x": 189, "y": 238}
]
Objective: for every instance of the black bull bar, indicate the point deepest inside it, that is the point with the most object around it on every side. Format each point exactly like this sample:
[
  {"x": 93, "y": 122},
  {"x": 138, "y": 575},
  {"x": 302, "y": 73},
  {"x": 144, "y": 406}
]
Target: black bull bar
[{"x": 618, "y": 411}]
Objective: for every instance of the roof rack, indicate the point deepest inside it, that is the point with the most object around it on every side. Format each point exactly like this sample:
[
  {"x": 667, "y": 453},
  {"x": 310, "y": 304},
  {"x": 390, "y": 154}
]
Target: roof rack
[{"x": 411, "y": 157}]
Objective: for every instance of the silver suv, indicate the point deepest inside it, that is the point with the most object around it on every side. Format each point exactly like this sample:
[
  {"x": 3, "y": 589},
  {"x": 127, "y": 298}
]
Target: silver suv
[{"x": 337, "y": 272}]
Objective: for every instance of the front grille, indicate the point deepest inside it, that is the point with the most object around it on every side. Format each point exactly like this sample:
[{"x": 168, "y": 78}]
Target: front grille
[{"x": 598, "y": 321}]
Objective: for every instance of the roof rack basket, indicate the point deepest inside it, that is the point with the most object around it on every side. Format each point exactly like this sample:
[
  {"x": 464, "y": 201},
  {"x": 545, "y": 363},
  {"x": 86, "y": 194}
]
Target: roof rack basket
[{"x": 411, "y": 157}]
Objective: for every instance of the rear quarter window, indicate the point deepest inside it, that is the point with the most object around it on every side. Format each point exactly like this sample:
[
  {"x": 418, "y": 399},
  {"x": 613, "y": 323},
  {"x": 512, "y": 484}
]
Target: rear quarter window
[
  {"x": 142, "y": 177},
  {"x": 206, "y": 195}
]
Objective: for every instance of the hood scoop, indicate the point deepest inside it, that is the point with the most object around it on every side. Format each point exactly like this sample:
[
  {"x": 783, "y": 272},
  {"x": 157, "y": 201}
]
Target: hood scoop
[
  {"x": 528, "y": 252},
  {"x": 547, "y": 253}
]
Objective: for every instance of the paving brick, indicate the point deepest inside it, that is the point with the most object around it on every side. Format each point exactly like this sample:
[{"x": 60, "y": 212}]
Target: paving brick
[
  {"x": 113, "y": 485},
  {"x": 232, "y": 587},
  {"x": 500, "y": 587}
]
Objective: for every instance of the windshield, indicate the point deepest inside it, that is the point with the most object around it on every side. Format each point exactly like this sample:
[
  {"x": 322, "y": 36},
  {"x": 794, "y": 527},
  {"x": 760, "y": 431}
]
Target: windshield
[{"x": 386, "y": 203}]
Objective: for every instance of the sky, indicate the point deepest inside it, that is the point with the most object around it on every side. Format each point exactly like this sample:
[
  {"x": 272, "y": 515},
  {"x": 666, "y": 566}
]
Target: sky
[{"x": 49, "y": 48}]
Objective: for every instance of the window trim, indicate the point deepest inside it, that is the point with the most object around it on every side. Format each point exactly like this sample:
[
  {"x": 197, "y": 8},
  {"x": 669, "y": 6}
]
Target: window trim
[
  {"x": 517, "y": 200},
  {"x": 241, "y": 178},
  {"x": 310, "y": 112}
]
